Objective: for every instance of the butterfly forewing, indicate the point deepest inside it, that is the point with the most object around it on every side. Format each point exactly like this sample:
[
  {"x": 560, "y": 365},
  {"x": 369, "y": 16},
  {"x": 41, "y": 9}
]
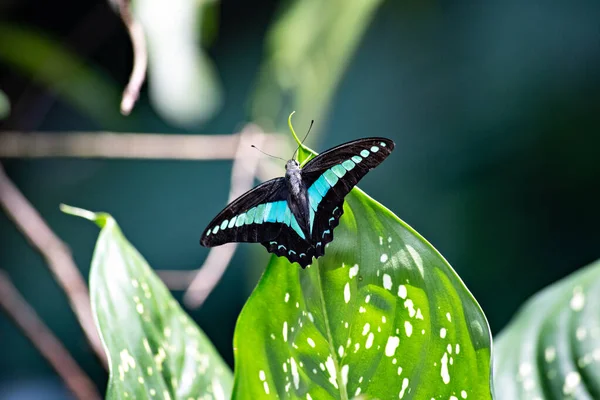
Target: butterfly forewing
[
  {"x": 365, "y": 153},
  {"x": 331, "y": 175}
]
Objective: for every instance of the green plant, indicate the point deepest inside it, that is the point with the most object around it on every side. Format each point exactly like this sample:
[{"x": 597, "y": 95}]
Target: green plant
[
  {"x": 382, "y": 315},
  {"x": 154, "y": 347},
  {"x": 550, "y": 350}
]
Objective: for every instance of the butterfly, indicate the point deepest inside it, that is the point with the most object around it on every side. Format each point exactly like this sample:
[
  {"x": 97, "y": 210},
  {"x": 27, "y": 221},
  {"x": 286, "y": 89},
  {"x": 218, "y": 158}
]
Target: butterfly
[{"x": 294, "y": 216}]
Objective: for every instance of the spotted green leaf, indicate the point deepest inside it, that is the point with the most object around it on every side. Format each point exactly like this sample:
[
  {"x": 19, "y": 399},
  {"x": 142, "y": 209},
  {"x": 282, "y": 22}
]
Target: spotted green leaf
[
  {"x": 381, "y": 315},
  {"x": 155, "y": 349},
  {"x": 551, "y": 349}
]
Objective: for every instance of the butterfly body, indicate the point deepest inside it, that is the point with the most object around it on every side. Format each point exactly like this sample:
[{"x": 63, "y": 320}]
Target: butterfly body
[
  {"x": 295, "y": 215},
  {"x": 298, "y": 200}
]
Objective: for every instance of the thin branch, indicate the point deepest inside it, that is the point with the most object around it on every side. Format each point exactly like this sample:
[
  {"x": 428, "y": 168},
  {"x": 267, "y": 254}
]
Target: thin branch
[
  {"x": 176, "y": 279},
  {"x": 42, "y": 338},
  {"x": 243, "y": 173},
  {"x": 140, "y": 56},
  {"x": 56, "y": 253},
  {"x": 248, "y": 164},
  {"x": 126, "y": 145}
]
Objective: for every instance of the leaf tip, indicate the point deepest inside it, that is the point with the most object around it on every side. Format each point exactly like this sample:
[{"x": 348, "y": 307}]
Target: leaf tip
[
  {"x": 292, "y": 128},
  {"x": 99, "y": 218}
]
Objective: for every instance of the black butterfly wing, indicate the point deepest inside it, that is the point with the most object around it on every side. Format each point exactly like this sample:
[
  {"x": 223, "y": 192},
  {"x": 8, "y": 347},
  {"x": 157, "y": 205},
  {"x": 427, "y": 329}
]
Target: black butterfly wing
[
  {"x": 252, "y": 217},
  {"x": 331, "y": 175},
  {"x": 337, "y": 155},
  {"x": 261, "y": 215},
  {"x": 290, "y": 245}
]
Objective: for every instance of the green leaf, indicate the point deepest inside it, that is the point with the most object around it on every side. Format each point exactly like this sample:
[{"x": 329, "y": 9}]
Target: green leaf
[
  {"x": 551, "y": 349},
  {"x": 382, "y": 314},
  {"x": 154, "y": 348},
  {"x": 42, "y": 58},
  {"x": 303, "y": 67}
]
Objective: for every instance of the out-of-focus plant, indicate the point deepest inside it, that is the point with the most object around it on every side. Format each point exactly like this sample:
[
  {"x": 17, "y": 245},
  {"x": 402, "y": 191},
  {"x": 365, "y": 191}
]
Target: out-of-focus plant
[
  {"x": 183, "y": 82},
  {"x": 155, "y": 349},
  {"x": 4, "y": 105},
  {"x": 184, "y": 86},
  {"x": 71, "y": 78},
  {"x": 308, "y": 49},
  {"x": 551, "y": 350}
]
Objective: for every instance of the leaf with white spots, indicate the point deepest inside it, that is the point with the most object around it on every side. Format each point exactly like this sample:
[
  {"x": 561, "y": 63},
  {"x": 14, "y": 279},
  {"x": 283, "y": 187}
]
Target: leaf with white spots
[
  {"x": 155, "y": 349},
  {"x": 389, "y": 319},
  {"x": 551, "y": 349}
]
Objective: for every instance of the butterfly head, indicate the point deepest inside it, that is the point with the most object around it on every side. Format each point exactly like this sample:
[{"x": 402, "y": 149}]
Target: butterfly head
[{"x": 291, "y": 165}]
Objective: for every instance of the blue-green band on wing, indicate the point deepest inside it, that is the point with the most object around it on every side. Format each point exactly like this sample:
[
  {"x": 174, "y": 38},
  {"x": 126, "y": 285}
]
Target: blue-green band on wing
[
  {"x": 244, "y": 220},
  {"x": 274, "y": 212},
  {"x": 264, "y": 216}
]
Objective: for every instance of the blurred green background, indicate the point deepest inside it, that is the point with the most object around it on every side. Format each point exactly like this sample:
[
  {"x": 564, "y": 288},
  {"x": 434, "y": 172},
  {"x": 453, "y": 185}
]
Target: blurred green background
[{"x": 494, "y": 108}]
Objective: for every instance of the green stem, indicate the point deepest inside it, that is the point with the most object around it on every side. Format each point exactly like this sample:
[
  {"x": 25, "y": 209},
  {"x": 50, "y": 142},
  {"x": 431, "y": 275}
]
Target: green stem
[
  {"x": 292, "y": 129},
  {"x": 304, "y": 153}
]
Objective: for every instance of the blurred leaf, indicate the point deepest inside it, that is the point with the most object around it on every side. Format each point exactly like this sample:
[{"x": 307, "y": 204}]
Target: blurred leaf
[
  {"x": 184, "y": 84},
  {"x": 210, "y": 12},
  {"x": 4, "y": 105},
  {"x": 551, "y": 349},
  {"x": 48, "y": 63},
  {"x": 154, "y": 347},
  {"x": 382, "y": 314},
  {"x": 308, "y": 50}
]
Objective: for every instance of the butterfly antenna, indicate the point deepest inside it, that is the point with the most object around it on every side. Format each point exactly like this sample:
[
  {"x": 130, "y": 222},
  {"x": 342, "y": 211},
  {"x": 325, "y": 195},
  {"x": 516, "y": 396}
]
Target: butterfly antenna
[
  {"x": 301, "y": 143},
  {"x": 267, "y": 154}
]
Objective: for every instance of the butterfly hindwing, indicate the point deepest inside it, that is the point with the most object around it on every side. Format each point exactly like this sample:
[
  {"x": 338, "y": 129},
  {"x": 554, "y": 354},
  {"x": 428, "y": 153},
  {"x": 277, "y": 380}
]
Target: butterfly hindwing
[
  {"x": 327, "y": 219},
  {"x": 290, "y": 245},
  {"x": 261, "y": 215}
]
